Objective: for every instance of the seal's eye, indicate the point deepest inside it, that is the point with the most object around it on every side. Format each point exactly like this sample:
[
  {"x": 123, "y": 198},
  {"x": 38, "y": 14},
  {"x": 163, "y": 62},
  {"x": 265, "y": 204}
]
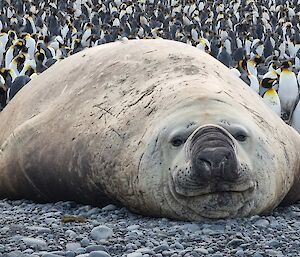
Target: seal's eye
[
  {"x": 240, "y": 136},
  {"x": 238, "y": 131},
  {"x": 180, "y": 134},
  {"x": 177, "y": 141}
]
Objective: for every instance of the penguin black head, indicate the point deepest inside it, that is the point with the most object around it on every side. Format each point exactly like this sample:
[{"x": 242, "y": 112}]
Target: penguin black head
[
  {"x": 47, "y": 39},
  {"x": 40, "y": 56},
  {"x": 20, "y": 58},
  {"x": 243, "y": 64},
  {"x": 24, "y": 49},
  {"x": 286, "y": 64},
  {"x": 20, "y": 44},
  {"x": 267, "y": 82},
  {"x": 258, "y": 59},
  {"x": 11, "y": 34},
  {"x": 23, "y": 35}
]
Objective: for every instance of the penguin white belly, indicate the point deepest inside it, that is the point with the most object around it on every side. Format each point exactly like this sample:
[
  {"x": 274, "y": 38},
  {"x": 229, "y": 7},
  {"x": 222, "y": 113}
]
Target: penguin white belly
[
  {"x": 272, "y": 100},
  {"x": 288, "y": 91}
]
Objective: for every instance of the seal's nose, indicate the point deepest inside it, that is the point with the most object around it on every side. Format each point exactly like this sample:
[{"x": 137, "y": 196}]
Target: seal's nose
[
  {"x": 217, "y": 163},
  {"x": 213, "y": 155}
]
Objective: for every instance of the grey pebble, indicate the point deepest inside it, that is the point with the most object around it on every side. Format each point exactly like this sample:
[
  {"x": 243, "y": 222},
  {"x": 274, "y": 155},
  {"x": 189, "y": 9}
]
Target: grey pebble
[
  {"x": 201, "y": 250},
  {"x": 133, "y": 227},
  {"x": 262, "y": 223},
  {"x": 70, "y": 254},
  {"x": 28, "y": 251},
  {"x": 80, "y": 250},
  {"x": 15, "y": 254},
  {"x": 71, "y": 234},
  {"x": 35, "y": 242},
  {"x": 274, "y": 253},
  {"x": 40, "y": 230},
  {"x": 161, "y": 248},
  {"x": 274, "y": 243},
  {"x": 235, "y": 242},
  {"x": 101, "y": 232},
  {"x": 92, "y": 248},
  {"x": 85, "y": 242},
  {"x": 51, "y": 255},
  {"x": 135, "y": 254},
  {"x": 240, "y": 253},
  {"x": 99, "y": 254},
  {"x": 217, "y": 255},
  {"x": 109, "y": 207},
  {"x": 191, "y": 227},
  {"x": 72, "y": 246}
]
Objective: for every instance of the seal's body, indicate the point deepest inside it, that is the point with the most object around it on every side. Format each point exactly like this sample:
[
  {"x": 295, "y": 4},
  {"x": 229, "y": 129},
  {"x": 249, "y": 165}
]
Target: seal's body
[{"x": 155, "y": 125}]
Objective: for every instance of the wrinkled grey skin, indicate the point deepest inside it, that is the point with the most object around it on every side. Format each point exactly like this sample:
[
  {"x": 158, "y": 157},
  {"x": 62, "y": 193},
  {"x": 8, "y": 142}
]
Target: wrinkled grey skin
[{"x": 157, "y": 126}]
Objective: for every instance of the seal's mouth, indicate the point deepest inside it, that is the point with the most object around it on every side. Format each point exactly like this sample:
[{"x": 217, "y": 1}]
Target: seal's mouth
[
  {"x": 186, "y": 185},
  {"x": 214, "y": 204}
]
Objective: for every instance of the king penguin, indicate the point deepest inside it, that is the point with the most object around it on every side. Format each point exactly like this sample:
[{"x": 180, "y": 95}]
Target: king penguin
[
  {"x": 288, "y": 89},
  {"x": 272, "y": 100}
]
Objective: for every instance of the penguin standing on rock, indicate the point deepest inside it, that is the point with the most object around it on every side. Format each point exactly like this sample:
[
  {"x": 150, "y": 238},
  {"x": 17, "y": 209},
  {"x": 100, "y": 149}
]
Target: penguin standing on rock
[{"x": 288, "y": 90}]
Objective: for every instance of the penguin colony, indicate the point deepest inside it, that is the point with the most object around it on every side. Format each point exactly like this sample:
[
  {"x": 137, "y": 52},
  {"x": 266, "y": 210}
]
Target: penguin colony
[{"x": 259, "y": 40}]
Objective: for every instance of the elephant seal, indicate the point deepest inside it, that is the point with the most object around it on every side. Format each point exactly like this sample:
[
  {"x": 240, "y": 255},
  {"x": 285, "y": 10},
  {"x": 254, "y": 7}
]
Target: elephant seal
[{"x": 157, "y": 126}]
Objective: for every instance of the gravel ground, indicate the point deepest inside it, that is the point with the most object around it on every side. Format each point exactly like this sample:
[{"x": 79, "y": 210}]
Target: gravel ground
[{"x": 67, "y": 229}]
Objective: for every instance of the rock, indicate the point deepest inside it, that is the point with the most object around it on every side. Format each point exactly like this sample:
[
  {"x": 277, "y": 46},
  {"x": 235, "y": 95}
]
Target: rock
[
  {"x": 83, "y": 255},
  {"x": 191, "y": 227},
  {"x": 161, "y": 248},
  {"x": 92, "y": 248},
  {"x": 101, "y": 232},
  {"x": 135, "y": 254},
  {"x": 201, "y": 250},
  {"x": 99, "y": 254},
  {"x": 133, "y": 227},
  {"x": 262, "y": 223},
  {"x": 70, "y": 233},
  {"x": 235, "y": 242},
  {"x": 15, "y": 254},
  {"x": 274, "y": 253},
  {"x": 85, "y": 242},
  {"x": 35, "y": 242},
  {"x": 51, "y": 255},
  {"x": 274, "y": 243},
  {"x": 39, "y": 230},
  {"x": 70, "y": 254},
  {"x": 72, "y": 246},
  {"x": 240, "y": 253},
  {"x": 109, "y": 207},
  {"x": 257, "y": 255}
]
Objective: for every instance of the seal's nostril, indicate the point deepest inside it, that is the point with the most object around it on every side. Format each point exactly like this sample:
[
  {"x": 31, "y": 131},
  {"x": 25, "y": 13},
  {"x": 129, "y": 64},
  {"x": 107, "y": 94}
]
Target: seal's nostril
[
  {"x": 203, "y": 168},
  {"x": 203, "y": 162}
]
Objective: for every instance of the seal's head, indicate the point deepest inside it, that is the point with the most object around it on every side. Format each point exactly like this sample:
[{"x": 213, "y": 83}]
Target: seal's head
[
  {"x": 211, "y": 171},
  {"x": 210, "y": 159}
]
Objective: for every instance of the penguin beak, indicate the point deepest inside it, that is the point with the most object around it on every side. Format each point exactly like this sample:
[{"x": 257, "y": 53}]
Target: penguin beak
[{"x": 271, "y": 81}]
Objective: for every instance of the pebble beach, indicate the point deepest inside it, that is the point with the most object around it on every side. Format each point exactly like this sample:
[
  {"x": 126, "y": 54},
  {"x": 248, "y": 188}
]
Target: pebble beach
[{"x": 68, "y": 229}]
